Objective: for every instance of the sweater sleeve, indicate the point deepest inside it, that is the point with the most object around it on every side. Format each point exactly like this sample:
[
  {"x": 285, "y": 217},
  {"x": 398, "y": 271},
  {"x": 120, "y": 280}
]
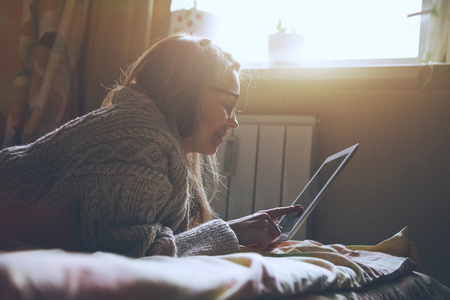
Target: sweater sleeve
[
  {"x": 211, "y": 238},
  {"x": 130, "y": 221},
  {"x": 131, "y": 213}
]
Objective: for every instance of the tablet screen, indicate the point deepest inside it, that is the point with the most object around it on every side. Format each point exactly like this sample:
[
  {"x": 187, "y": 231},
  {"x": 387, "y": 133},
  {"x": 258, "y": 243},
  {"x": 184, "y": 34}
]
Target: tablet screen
[{"x": 309, "y": 197}]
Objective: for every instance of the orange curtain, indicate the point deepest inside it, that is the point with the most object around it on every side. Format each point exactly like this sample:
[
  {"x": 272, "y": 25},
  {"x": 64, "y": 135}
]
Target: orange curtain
[
  {"x": 119, "y": 32},
  {"x": 70, "y": 50},
  {"x": 10, "y": 20}
]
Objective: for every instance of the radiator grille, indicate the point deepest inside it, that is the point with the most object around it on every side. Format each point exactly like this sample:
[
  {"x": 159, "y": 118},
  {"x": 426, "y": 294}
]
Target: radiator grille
[{"x": 265, "y": 163}]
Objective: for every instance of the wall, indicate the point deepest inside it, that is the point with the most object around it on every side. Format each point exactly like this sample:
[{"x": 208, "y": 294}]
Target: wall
[{"x": 400, "y": 175}]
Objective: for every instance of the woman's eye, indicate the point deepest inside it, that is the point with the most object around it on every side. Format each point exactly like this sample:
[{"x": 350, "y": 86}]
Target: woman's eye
[{"x": 226, "y": 106}]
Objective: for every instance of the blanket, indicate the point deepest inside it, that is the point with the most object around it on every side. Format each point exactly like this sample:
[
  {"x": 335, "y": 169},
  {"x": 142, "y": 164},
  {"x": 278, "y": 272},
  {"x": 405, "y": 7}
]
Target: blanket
[{"x": 291, "y": 268}]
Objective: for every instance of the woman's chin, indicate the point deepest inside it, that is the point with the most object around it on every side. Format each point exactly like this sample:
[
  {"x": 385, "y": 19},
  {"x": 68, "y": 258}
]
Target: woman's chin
[{"x": 212, "y": 149}]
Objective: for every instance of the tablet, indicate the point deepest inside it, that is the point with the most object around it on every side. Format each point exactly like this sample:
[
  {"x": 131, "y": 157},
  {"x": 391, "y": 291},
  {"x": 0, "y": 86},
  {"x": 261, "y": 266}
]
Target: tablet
[{"x": 314, "y": 191}]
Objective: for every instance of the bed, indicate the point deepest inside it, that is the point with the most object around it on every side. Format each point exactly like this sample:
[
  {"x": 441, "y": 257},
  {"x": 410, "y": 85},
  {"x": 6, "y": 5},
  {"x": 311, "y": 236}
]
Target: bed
[{"x": 288, "y": 270}]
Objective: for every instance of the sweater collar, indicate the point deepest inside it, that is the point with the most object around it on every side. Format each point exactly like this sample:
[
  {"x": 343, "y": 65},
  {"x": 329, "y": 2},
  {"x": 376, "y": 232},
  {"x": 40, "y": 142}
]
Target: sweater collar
[{"x": 126, "y": 94}]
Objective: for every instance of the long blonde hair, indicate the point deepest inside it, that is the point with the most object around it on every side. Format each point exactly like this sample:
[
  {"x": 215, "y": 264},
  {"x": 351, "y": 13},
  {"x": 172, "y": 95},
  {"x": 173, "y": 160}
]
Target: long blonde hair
[{"x": 174, "y": 73}]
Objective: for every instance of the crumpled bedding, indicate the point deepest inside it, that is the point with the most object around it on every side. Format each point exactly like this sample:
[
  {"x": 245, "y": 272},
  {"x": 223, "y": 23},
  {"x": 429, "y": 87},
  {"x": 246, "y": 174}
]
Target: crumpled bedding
[
  {"x": 299, "y": 269},
  {"x": 413, "y": 286}
]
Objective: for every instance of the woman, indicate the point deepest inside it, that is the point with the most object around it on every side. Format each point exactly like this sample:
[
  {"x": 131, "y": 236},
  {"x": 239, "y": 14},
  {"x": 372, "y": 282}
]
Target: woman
[{"x": 127, "y": 178}]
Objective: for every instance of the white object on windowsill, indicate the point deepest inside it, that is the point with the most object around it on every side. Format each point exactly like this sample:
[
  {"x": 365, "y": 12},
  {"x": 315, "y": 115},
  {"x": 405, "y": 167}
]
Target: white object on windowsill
[
  {"x": 193, "y": 21},
  {"x": 285, "y": 49}
]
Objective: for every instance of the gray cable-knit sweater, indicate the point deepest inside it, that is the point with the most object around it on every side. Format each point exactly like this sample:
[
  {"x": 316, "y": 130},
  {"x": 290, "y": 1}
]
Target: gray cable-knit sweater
[{"x": 113, "y": 180}]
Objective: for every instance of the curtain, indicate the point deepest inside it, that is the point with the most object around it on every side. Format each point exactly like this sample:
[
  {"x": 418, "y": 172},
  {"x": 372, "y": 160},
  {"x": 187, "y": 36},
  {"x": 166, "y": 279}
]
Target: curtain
[
  {"x": 51, "y": 34},
  {"x": 438, "y": 41},
  {"x": 10, "y": 20},
  {"x": 70, "y": 52},
  {"x": 118, "y": 33}
]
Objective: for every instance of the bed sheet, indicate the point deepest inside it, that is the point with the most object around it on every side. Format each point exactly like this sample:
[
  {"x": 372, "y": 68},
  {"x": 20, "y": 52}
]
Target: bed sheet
[
  {"x": 294, "y": 269},
  {"x": 413, "y": 286}
]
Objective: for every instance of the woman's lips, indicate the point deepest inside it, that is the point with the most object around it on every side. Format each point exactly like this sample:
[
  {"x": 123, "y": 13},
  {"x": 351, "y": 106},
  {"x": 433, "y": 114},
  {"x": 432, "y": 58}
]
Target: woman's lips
[
  {"x": 222, "y": 133},
  {"x": 220, "y": 136}
]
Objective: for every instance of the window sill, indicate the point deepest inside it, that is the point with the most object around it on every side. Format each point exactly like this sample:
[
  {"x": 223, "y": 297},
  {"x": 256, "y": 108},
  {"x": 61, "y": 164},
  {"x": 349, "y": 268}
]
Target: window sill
[{"x": 415, "y": 77}]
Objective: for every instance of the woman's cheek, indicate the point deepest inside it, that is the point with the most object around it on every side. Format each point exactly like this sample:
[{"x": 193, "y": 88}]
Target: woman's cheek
[{"x": 219, "y": 115}]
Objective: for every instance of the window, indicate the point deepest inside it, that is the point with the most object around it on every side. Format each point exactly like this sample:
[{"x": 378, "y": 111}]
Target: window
[{"x": 344, "y": 32}]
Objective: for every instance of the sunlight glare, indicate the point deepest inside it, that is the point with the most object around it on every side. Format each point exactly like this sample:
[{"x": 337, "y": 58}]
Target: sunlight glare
[{"x": 334, "y": 30}]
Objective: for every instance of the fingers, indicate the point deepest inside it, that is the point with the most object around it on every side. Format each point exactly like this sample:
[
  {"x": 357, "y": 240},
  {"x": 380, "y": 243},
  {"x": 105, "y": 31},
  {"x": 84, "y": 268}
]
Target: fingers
[
  {"x": 268, "y": 225},
  {"x": 277, "y": 212},
  {"x": 264, "y": 234},
  {"x": 259, "y": 230}
]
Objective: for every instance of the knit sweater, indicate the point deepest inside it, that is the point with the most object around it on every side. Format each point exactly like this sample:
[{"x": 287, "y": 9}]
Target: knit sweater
[{"x": 113, "y": 180}]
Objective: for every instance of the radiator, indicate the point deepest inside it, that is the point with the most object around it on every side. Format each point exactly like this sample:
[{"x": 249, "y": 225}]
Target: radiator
[{"x": 265, "y": 163}]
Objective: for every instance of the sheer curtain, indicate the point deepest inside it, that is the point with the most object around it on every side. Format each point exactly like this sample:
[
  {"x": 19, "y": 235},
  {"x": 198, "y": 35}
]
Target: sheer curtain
[
  {"x": 438, "y": 42},
  {"x": 119, "y": 31},
  {"x": 70, "y": 50}
]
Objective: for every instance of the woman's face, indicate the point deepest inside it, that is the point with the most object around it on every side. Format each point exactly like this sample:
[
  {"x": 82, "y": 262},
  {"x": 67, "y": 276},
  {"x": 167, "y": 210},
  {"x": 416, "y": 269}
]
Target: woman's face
[{"x": 218, "y": 116}]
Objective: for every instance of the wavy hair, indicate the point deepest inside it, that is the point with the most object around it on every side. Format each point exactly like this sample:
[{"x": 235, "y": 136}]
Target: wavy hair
[{"x": 174, "y": 73}]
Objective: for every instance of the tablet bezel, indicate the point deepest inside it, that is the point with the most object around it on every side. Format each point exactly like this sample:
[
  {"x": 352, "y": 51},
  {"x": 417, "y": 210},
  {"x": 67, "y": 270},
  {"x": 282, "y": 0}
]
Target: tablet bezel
[{"x": 348, "y": 153}]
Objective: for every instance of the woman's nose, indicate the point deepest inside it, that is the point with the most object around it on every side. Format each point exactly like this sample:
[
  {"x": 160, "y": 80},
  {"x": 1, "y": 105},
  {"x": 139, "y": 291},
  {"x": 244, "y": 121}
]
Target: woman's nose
[{"x": 232, "y": 122}]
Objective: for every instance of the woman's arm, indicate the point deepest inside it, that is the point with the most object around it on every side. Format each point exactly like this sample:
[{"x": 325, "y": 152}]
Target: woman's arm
[
  {"x": 131, "y": 211},
  {"x": 211, "y": 238}
]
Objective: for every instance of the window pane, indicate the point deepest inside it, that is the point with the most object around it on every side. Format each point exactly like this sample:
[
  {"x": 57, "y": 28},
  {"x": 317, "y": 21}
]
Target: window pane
[{"x": 334, "y": 30}]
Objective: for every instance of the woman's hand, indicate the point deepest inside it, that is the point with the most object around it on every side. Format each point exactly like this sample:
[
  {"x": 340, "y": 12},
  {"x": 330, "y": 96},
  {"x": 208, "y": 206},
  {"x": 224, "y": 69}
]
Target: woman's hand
[{"x": 259, "y": 230}]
